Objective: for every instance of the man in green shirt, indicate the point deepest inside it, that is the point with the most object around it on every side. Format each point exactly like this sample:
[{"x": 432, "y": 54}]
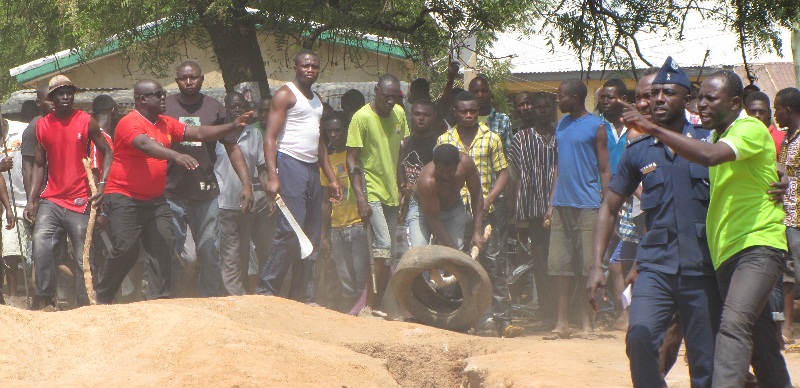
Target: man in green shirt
[
  {"x": 373, "y": 147},
  {"x": 745, "y": 228}
]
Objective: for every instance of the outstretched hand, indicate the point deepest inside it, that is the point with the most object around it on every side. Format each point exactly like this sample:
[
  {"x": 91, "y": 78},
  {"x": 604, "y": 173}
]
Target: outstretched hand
[
  {"x": 632, "y": 118},
  {"x": 241, "y": 121}
]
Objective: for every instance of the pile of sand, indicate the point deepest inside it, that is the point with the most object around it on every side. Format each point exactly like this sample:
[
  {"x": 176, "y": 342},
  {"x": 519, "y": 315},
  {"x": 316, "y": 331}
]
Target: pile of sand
[{"x": 265, "y": 341}]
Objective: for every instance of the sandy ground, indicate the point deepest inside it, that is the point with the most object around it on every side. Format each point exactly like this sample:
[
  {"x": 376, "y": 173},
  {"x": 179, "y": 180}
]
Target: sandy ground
[{"x": 266, "y": 341}]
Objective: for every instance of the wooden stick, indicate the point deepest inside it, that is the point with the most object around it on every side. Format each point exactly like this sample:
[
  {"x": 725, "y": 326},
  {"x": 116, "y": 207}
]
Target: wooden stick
[{"x": 87, "y": 244}]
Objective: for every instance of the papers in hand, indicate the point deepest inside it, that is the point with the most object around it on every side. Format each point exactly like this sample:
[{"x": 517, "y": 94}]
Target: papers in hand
[{"x": 627, "y": 296}]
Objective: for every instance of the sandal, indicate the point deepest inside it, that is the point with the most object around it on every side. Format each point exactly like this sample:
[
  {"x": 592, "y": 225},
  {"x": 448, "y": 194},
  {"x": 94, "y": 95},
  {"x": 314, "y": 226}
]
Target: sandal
[{"x": 556, "y": 335}]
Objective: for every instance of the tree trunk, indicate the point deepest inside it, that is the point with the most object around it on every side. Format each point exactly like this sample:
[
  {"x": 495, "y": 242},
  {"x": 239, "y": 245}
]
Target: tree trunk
[{"x": 235, "y": 44}]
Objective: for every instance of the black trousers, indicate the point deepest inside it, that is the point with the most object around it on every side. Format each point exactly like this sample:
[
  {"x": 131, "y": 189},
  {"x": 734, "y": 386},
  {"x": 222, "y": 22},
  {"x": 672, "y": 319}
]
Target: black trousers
[{"x": 130, "y": 220}]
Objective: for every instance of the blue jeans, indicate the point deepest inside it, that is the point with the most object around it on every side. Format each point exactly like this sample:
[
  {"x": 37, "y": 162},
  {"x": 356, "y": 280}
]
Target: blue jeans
[
  {"x": 746, "y": 281},
  {"x": 384, "y": 227},
  {"x": 302, "y": 193},
  {"x": 350, "y": 253},
  {"x": 656, "y": 297},
  {"x": 202, "y": 217},
  {"x": 53, "y": 224},
  {"x": 455, "y": 220}
]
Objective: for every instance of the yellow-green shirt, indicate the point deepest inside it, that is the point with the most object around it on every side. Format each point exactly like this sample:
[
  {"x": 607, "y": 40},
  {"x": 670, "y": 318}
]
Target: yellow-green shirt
[
  {"x": 740, "y": 213},
  {"x": 379, "y": 139},
  {"x": 487, "y": 152},
  {"x": 344, "y": 212}
]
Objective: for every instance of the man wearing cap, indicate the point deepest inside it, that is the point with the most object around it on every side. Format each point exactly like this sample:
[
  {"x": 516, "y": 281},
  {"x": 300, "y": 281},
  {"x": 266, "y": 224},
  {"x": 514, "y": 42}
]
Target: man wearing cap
[
  {"x": 61, "y": 210},
  {"x": 135, "y": 199},
  {"x": 675, "y": 271},
  {"x": 746, "y": 235}
]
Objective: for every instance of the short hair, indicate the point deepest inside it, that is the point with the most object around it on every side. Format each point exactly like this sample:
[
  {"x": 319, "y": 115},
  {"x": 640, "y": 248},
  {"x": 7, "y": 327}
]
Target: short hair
[
  {"x": 189, "y": 64},
  {"x": 482, "y": 78},
  {"x": 575, "y": 87},
  {"x": 335, "y": 115},
  {"x": 732, "y": 82},
  {"x": 102, "y": 103},
  {"x": 305, "y": 52},
  {"x": 619, "y": 84},
  {"x": 28, "y": 110},
  {"x": 387, "y": 79},
  {"x": 354, "y": 98},
  {"x": 446, "y": 154},
  {"x": 790, "y": 97},
  {"x": 650, "y": 71},
  {"x": 464, "y": 96},
  {"x": 425, "y": 102},
  {"x": 229, "y": 97},
  {"x": 422, "y": 85},
  {"x": 264, "y": 99},
  {"x": 756, "y": 96},
  {"x": 752, "y": 88}
]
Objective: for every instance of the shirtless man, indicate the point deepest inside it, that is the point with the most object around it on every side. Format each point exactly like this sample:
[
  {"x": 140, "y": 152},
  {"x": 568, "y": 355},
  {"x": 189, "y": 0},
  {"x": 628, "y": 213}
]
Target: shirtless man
[{"x": 439, "y": 195}]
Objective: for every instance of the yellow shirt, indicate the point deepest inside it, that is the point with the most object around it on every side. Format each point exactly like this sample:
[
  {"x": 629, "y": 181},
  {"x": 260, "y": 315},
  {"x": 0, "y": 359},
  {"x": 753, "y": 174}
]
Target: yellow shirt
[{"x": 344, "y": 213}]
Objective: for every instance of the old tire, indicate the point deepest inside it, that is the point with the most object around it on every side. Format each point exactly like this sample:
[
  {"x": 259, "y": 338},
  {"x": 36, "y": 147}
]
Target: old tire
[{"x": 415, "y": 294}]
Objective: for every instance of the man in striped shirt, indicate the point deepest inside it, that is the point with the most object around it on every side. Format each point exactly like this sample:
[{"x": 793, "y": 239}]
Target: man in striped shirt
[{"x": 532, "y": 162}]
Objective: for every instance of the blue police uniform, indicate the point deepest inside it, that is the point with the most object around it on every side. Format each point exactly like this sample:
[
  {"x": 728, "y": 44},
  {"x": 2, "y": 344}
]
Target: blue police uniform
[{"x": 674, "y": 263}]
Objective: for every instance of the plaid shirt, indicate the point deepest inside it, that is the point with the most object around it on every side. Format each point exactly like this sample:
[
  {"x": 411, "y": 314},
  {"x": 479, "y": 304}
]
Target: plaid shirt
[
  {"x": 500, "y": 124},
  {"x": 487, "y": 152}
]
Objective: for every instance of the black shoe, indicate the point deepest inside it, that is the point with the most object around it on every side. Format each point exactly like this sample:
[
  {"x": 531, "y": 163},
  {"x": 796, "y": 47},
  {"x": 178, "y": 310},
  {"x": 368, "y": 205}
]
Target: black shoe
[{"x": 43, "y": 303}]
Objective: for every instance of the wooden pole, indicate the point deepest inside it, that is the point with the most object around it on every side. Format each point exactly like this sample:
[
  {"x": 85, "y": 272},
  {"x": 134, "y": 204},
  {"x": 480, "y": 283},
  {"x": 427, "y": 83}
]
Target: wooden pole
[{"x": 87, "y": 244}]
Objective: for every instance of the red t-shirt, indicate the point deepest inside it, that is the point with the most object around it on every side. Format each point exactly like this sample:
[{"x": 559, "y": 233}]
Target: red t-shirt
[
  {"x": 133, "y": 173},
  {"x": 66, "y": 141},
  {"x": 777, "y": 136},
  {"x": 97, "y": 156}
]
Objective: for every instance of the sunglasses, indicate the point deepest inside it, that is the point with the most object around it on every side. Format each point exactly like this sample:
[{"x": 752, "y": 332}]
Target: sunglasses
[{"x": 158, "y": 94}]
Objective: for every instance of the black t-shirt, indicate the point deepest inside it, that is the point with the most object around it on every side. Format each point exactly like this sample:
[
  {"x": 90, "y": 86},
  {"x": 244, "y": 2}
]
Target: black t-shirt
[
  {"x": 416, "y": 153},
  {"x": 28, "y": 147},
  {"x": 200, "y": 183}
]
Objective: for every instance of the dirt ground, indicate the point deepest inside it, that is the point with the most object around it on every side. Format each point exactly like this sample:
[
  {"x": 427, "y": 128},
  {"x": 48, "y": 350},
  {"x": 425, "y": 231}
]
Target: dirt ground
[{"x": 266, "y": 341}]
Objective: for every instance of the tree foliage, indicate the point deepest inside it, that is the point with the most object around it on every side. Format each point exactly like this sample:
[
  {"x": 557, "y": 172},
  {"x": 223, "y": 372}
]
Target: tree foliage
[{"x": 430, "y": 31}]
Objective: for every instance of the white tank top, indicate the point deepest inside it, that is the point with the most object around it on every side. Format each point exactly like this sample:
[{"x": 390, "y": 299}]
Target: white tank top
[{"x": 300, "y": 136}]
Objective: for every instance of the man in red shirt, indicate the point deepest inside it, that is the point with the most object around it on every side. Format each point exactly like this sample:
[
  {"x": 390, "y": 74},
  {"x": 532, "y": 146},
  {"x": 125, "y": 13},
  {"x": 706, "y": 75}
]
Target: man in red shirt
[
  {"x": 135, "y": 192},
  {"x": 61, "y": 210}
]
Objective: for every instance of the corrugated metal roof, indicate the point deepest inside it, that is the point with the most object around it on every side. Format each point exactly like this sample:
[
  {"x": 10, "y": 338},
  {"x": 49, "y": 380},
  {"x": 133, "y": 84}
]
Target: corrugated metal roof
[
  {"x": 770, "y": 77},
  {"x": 330, "y": 92}
]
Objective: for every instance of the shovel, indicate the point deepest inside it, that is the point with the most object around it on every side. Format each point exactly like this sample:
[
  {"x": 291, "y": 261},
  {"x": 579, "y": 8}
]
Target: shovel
[{"x": 305, "y": 244}]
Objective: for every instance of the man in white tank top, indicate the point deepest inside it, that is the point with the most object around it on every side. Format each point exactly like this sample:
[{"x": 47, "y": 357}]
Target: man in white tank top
[{"x": 295, "y": 151}]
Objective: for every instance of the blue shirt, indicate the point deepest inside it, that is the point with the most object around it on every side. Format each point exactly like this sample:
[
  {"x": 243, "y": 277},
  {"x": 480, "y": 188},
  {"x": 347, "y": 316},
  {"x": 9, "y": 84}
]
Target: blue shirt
[
  {"x": 578, "y": 183},
  {"x": 615, "y": 147},
  {"x": 675, "y": 200}
]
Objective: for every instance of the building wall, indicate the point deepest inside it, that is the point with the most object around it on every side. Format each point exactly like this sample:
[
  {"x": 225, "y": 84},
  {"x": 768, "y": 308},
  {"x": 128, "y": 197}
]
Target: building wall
[{"x": 118, "y": 71}]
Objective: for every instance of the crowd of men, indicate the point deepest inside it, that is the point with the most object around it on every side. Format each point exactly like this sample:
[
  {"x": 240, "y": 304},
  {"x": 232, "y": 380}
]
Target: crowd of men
[{"x": 689, "y": 194}]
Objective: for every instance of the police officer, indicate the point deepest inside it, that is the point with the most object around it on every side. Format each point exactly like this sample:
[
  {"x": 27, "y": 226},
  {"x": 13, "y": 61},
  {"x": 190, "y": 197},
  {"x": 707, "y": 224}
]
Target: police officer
[{"x": 674, "y": 263}]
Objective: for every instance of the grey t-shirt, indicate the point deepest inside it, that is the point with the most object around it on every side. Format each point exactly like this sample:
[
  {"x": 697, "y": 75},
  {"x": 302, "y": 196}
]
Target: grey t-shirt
[{"x": 252, "y": 145}]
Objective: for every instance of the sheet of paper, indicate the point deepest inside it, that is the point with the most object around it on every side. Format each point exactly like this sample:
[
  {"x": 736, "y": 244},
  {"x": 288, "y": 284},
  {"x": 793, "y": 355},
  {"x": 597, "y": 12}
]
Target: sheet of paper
[{"x": 627, "y": 297}]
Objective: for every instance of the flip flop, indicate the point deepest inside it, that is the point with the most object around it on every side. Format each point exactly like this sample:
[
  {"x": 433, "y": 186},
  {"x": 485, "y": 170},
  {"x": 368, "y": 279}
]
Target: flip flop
[{"x": 556, "y": 335}]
